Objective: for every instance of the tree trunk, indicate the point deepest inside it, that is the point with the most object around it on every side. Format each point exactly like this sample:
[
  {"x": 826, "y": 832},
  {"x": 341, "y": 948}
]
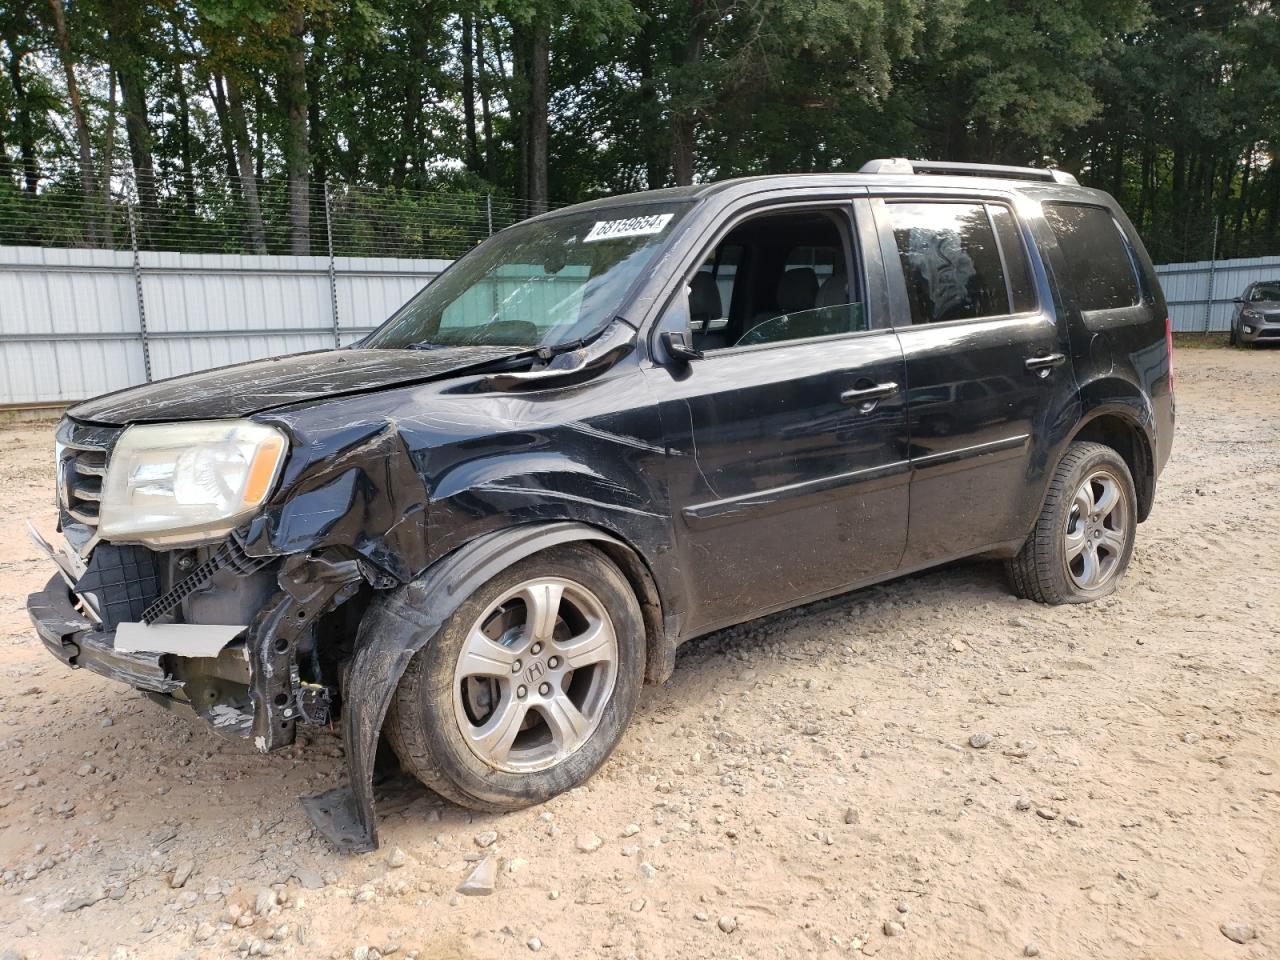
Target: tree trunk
[
  {"x": 1117, "y": 169},
  {"x": 133, "y": 96},
  {"x": 1179, "y": 200},
  {"x": 482, "y": 81},
  {"x": 184, "y": 123},
  {"x": 316, "y": 68},
  {"x": 469, "y": 92},
  {"x": 1243, "y": 202},
  {"x": 259, "y": 129},
  {"x": 1273, "y": 193},
  {"x": 683, "y": 116},
  {"x": 217, "y": 93},
  {"x": 682, "y": 158},
  {"x": 959, "y": 137},
  {"x": 109, "y": 157},
  {"x": 88, "y": 188},
  {"x": 26, "y": 132},
  {"x": 293, "y": 86},
  {"x": 518, "y": 97},
  {"x": 255, "y": 230},
  {"x": 410, "y": 147},
  {"x": 184, "y": 135},
  {"x": 655, "y": 163},
  {"x": 539, "y": 68},
  {"x": 1146, "y": 198}
]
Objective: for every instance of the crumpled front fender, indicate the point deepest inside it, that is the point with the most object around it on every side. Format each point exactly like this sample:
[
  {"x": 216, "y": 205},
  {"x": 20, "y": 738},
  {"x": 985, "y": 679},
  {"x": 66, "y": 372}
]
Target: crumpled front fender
[{"x": 396, "y": 626}]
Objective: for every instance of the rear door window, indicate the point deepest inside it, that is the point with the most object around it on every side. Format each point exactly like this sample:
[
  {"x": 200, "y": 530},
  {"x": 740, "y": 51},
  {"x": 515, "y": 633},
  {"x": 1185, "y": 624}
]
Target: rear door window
[
  {"x": 1100, "y": 263},
  {"x": 950, "y": 260}
]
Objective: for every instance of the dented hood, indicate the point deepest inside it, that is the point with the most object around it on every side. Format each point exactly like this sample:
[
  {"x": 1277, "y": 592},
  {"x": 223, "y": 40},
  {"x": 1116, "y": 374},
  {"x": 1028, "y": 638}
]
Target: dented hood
[{"x": 258, "y": 385}]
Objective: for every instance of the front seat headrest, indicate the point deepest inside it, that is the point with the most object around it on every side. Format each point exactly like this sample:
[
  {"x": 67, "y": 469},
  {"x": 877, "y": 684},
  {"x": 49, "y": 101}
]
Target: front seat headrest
[
  {"x": 797, "y": 289},
  {"x": 834, "y": 291}
]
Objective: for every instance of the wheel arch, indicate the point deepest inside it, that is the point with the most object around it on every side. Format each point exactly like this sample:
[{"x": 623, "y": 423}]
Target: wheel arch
[
  {"x": 1117, "y": 427},
  {"x": 401, "y": 621},
  {"x": 516, "y": 541}
]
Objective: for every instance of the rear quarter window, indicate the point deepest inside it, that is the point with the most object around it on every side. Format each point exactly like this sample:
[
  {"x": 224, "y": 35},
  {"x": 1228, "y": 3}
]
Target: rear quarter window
[{"x": 1100, "y": 262}]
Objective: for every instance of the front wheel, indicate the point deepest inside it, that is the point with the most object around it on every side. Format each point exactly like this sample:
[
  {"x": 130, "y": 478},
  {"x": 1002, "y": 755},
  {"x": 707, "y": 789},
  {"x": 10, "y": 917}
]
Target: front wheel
[
  {"x": 528, "y": 687},
  {"x": 1083, "y": 539}
]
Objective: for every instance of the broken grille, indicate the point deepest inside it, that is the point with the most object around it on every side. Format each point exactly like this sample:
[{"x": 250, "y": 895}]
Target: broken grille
[{"x": 82, "y": 466}]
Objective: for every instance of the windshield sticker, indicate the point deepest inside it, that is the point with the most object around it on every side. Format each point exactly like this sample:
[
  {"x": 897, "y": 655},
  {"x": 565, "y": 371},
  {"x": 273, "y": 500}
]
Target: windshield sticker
[{"x": 630, "y": 227}]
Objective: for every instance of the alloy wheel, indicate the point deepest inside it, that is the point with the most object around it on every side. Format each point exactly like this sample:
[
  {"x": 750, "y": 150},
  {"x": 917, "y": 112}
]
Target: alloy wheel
[
  {"x": 535, "y": 675},
  {"x": 1097, "y": 530}
]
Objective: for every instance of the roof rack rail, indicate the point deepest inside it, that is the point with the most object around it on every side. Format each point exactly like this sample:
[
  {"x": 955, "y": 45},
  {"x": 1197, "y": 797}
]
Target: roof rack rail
[{"x": 901, "y": 165}]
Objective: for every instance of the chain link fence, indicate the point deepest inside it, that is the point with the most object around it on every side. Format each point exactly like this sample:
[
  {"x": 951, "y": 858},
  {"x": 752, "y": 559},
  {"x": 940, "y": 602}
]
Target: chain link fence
[
  {"x": 126, "y": 279},
  {"x": 205, "y": 214}
]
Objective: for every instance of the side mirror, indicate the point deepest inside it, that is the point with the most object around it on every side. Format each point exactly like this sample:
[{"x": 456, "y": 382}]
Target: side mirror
[
  {"x": 1238, "y": 300},
  {"x": 677, "y": 345}
]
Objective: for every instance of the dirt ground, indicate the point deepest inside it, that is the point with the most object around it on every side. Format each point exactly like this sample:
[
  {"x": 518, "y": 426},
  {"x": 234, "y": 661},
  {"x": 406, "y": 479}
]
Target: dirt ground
[{"x": 803, "y": 786}]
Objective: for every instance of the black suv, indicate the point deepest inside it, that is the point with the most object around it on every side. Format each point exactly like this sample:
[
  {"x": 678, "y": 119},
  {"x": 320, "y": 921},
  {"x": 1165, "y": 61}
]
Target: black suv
[{"x": 605, "y": 431}]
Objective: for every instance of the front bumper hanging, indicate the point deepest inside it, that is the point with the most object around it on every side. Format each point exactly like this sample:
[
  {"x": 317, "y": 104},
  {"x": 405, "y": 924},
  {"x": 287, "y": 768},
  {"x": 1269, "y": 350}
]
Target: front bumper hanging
[
  {"x": 78, "y": 642},
  {"x": 398, "y": 623}
]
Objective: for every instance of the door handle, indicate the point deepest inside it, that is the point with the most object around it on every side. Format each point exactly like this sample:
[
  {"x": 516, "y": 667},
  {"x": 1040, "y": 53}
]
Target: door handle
[
  {"x": 869, "y": 394},
  {"x": 1046, "y": 362}
]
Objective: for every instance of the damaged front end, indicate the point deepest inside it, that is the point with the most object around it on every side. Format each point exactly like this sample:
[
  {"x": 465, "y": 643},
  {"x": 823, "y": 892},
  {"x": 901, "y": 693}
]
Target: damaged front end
[
  {"x": 380, "y": 511},
  {"x": 249, "y": 644},
  {"x": 157, "y": 621}
]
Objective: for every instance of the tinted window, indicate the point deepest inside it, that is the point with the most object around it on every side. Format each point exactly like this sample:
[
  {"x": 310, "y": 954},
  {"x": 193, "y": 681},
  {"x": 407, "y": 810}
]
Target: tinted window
[
  {"x": 950, "y": 261},
  {"x": 1015, "y": 258},
  {"x": 1099, "y": 261}
]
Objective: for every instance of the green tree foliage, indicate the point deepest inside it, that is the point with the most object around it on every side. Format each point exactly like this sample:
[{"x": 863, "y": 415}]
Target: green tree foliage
[{"x": 231, "y": 115}]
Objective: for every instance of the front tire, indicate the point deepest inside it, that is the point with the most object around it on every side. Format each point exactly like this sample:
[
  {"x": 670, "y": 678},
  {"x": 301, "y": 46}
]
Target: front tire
[
  {"x": 528, "y": 687},
  {"x": 1082, "y": 542}
]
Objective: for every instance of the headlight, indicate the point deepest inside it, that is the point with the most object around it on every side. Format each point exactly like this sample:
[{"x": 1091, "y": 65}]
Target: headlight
[
  {"x": 176, "y": 483},
  {"x": 1248, "y": 314}
]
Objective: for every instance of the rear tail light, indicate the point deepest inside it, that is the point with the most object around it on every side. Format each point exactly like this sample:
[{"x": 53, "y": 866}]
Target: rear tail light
[{"x": 1168, "y": 346}]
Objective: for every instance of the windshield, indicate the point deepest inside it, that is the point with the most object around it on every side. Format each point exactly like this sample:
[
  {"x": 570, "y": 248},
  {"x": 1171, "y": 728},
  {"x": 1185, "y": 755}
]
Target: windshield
[
  {"x": 537, "y": 284},
  {"x": 1265, "y": 291}
]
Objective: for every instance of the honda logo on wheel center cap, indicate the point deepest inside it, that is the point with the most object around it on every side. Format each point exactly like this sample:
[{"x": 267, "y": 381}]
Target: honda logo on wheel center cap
[{"x": 535, "y": 672}]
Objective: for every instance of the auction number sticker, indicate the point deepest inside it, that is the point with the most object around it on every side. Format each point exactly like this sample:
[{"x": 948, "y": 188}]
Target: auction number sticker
[{"x": 630, "y": 227}]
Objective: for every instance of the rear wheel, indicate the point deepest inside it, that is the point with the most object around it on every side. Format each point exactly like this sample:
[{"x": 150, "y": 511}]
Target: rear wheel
[
  {"x": 528, "y": 687},
  {"x": 1083, "y": 540}
]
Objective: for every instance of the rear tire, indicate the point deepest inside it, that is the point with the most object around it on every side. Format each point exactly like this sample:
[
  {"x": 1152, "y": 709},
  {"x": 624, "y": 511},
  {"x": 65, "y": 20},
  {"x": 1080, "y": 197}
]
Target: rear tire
[
  {"x": 1082, "y": 541},
  {"x": 528, "y": 687}
]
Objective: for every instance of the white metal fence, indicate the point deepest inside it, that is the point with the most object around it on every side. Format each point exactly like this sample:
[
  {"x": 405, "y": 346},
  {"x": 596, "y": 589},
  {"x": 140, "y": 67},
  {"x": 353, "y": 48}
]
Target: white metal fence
[
  {"x": 1201, "y": 295},
  {"x": 75, "y": 323}
]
